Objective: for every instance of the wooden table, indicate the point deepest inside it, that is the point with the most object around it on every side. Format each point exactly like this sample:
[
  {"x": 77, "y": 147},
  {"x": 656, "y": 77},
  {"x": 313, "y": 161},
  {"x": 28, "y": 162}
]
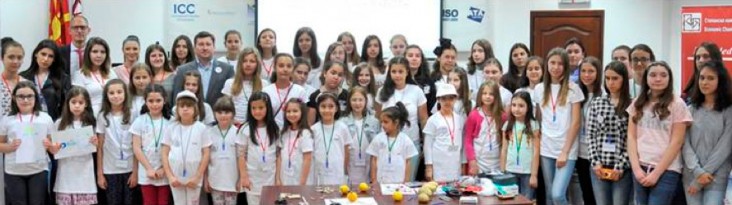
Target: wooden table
[{"x": 313, "y": 197}]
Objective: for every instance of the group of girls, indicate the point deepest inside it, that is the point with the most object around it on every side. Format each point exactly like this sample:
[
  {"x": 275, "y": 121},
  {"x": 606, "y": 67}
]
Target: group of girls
[{"x": 349, "y": 118}]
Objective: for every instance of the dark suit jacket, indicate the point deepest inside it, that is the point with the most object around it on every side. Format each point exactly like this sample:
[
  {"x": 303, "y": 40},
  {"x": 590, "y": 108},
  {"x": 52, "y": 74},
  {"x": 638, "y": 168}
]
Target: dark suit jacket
[
  {"x": 54, "y": 97},
  {"x": 66, "y": 55},
  {"x": 215, "y": 84}
]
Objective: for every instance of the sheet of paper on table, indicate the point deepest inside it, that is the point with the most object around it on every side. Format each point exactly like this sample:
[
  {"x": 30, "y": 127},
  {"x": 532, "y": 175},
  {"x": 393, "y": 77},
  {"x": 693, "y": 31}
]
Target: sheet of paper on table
[
  {"x": 389, "y": 189},
  {"x": 360, "y": 201}
]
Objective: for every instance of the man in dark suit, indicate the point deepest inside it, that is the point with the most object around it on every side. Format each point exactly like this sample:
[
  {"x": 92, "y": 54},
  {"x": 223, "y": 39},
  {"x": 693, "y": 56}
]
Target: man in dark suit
[
  {"x": 213, "y": 73},
  {"x": 72, "y": 53}
]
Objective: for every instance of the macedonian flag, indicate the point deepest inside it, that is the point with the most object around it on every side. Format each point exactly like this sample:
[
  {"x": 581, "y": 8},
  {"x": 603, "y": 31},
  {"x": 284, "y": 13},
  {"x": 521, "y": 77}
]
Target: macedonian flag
[{"x": 58, "y": 24}]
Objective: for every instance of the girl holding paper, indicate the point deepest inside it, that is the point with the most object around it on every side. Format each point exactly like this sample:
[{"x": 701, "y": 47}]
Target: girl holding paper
[
  {"x": 21, "y": 138},
  {"x": 75, "y": 175}
]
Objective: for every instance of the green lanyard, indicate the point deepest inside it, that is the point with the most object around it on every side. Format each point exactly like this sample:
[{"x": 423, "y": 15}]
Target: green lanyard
[
  {"x": 328, "y": 145},
  {"x": 223, "y": 137},
  {"x": 160, "y": 132},
  {"x": 391, "y": 146},
  {"x": 518, "y": 142}
]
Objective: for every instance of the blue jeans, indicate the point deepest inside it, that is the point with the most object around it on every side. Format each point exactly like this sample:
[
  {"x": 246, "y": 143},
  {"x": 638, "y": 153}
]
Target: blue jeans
[
  {"x": 612, "y": 193},
  {"x": 662, "y": 193},
  {"x": 524, "y": 185},
  {"x": 556, "y": 180}
]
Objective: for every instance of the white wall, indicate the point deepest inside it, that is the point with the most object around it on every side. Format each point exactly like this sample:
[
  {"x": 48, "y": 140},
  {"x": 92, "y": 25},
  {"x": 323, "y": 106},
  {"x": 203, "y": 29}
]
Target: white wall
[{"x": 26, "y": 21}]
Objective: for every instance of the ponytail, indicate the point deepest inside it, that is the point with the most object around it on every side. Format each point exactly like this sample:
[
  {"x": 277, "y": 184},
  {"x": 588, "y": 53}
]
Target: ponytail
[{"x": 398, "y": 112}]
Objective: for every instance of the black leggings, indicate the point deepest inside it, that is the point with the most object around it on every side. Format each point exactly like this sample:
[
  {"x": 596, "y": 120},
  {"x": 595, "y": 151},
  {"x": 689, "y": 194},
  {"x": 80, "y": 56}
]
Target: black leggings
[
  {"x": 583, "y": 172},
  {"x": 30, "y": 189}
]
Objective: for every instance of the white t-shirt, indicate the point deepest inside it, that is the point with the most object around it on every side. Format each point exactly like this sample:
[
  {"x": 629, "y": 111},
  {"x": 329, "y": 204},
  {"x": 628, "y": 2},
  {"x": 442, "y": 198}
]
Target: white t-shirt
[
  {"x": 279, "y": 97},
  {"x": 241, "y": 101},
  {"x": 292, "y": 150},
  {"x": 227, "y": 61},
  {"x": 412, "y": 97},
  {"x": 223, "y": 172},
  {"x": 117, "y": 147},
  {"x": 441, "y": 148},
  {"x": 314, "y": 77},
  {"x": 209, "y": 115},
  {"x": 555, "y": 126},
  {"x": 30, "y": 129},
  {"x": 267, "y": 68},
  {"x": 474, "y": 81},
  {"x": 94, "y": 84},
  {"x": 75, "y": 174},
  {"x": 186, "y": 144},
  {"x": 329, "y": 149},
  {"x": 261, "y": 158},
  {"x": 379, "y": 79},
  {"x": 391, "y": 156},
  {"x": 137, "y": 103},
  {"x": 487, "y": 145},
  {"x": 150, "y": 132}
]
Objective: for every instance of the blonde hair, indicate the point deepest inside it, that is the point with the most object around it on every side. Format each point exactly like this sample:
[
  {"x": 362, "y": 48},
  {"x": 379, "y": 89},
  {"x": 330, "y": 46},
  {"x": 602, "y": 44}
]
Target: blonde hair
[{"x": 237, "y": 85}]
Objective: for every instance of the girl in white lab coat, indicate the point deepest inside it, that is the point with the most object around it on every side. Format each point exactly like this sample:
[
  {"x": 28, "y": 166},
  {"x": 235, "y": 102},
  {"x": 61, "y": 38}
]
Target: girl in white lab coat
[
  {"x": 257, "y": 141},
  {"x": 75, "y": 175},
  {"x": 444, "y": 139},
  {"x": 363, "y": 128},
  {"x": 185, "y": 151},
  {"x": 295, "y": 147},
  {"x": 116, "y": 166},
  {"x": 392, "y": 150},
  {"x": 223, "y": 173},
  {"x": 147, "y": 131},
  {"x": 331, "y": 143}
]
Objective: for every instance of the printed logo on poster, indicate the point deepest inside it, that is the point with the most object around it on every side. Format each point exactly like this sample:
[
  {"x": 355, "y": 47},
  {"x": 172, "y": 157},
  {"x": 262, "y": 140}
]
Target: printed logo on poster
[
  {"x": 184, "y": 11},
  {"x": 692, "y": 22},
  {"x": 476, "y": 14},
  {"x": 450, "y": 15}
]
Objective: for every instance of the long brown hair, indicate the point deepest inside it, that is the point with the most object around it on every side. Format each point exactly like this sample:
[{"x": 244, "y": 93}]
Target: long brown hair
[
  {"x": 67, "y": 118},
  {"x": 660, "y": 109},
  {"x": 87, "y": 64},
  {"x": 497, "y": 108},
  {"x": 237, "y": 85},
  {"x": 107, "y": 105},
  {"x": 199, "y": 93},
  {"x": 564, "y": 82}
]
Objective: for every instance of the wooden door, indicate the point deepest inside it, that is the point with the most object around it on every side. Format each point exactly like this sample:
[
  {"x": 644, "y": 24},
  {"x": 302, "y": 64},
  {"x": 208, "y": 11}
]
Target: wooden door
[{"x": 551, "y": 29}]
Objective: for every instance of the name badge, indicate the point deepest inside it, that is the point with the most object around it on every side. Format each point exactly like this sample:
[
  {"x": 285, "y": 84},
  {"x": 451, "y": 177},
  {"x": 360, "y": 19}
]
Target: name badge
[
  {"x": 453, "y": 148},
  {"x": 124, "y": 164}
]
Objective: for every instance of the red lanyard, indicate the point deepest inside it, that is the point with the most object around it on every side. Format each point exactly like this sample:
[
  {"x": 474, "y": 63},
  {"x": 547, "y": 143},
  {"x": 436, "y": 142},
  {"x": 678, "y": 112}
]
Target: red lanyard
[
  {"x": 280, "y": 98},
  {"x": 269, "y": 71},
  {"x": 7, "y": 86},
  {"x": 261, "y": 144},
  {"x": 554, "y": 107},
  {"x": 21, "y": 118},
  {"x": 293, "y": 143},
  {"x": 101, "y": 82},
  {"x": 162, "y": 78},
  {"x": 451, "y": 130}
]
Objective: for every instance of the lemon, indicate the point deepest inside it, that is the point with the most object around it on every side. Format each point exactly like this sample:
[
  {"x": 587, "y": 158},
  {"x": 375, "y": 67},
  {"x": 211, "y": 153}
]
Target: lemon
[
  {"x": 397, "y": 196},
  {"x": 425, "y": 190},
  {"x": 363, "y": 187},
  {"x": 352, "y": 197},
  {"x": 423, "y": 198},
  {"x": 345, "y": 189}
]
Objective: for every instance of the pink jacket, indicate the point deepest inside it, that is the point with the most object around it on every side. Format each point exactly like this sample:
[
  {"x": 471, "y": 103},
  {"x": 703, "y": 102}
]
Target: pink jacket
[{"x": 472, "y": 130}]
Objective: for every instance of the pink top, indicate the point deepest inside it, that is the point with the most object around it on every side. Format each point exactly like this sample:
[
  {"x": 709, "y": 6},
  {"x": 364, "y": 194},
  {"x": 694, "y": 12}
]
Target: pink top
[
  {"x": 472, "y": 129},
  {"x": 654, "y": 135}
]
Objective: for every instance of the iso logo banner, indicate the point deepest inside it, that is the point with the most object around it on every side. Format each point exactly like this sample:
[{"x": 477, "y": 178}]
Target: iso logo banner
[{"x": 450, "y": 14}]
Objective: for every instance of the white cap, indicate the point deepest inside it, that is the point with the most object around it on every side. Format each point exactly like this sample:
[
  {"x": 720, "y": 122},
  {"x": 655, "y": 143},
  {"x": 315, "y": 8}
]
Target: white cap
[
  {"x": 444, "y": 89},
  {"x": 186, "y": 94}
]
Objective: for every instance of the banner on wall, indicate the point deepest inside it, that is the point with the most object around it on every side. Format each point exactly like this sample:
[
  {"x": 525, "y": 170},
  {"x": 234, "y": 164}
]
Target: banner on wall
[
  {"x": 189, "y": 17},
  {"x": 700, "y": 24},
  {"x": 466, "y": 21}
]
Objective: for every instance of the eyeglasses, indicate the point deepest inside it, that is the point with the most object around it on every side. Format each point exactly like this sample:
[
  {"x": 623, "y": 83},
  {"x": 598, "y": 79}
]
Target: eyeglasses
[
  {"x": 83, "y": 28},
  {"x": 25, "y": 97},
  {"x": 640, "y": 60}
]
